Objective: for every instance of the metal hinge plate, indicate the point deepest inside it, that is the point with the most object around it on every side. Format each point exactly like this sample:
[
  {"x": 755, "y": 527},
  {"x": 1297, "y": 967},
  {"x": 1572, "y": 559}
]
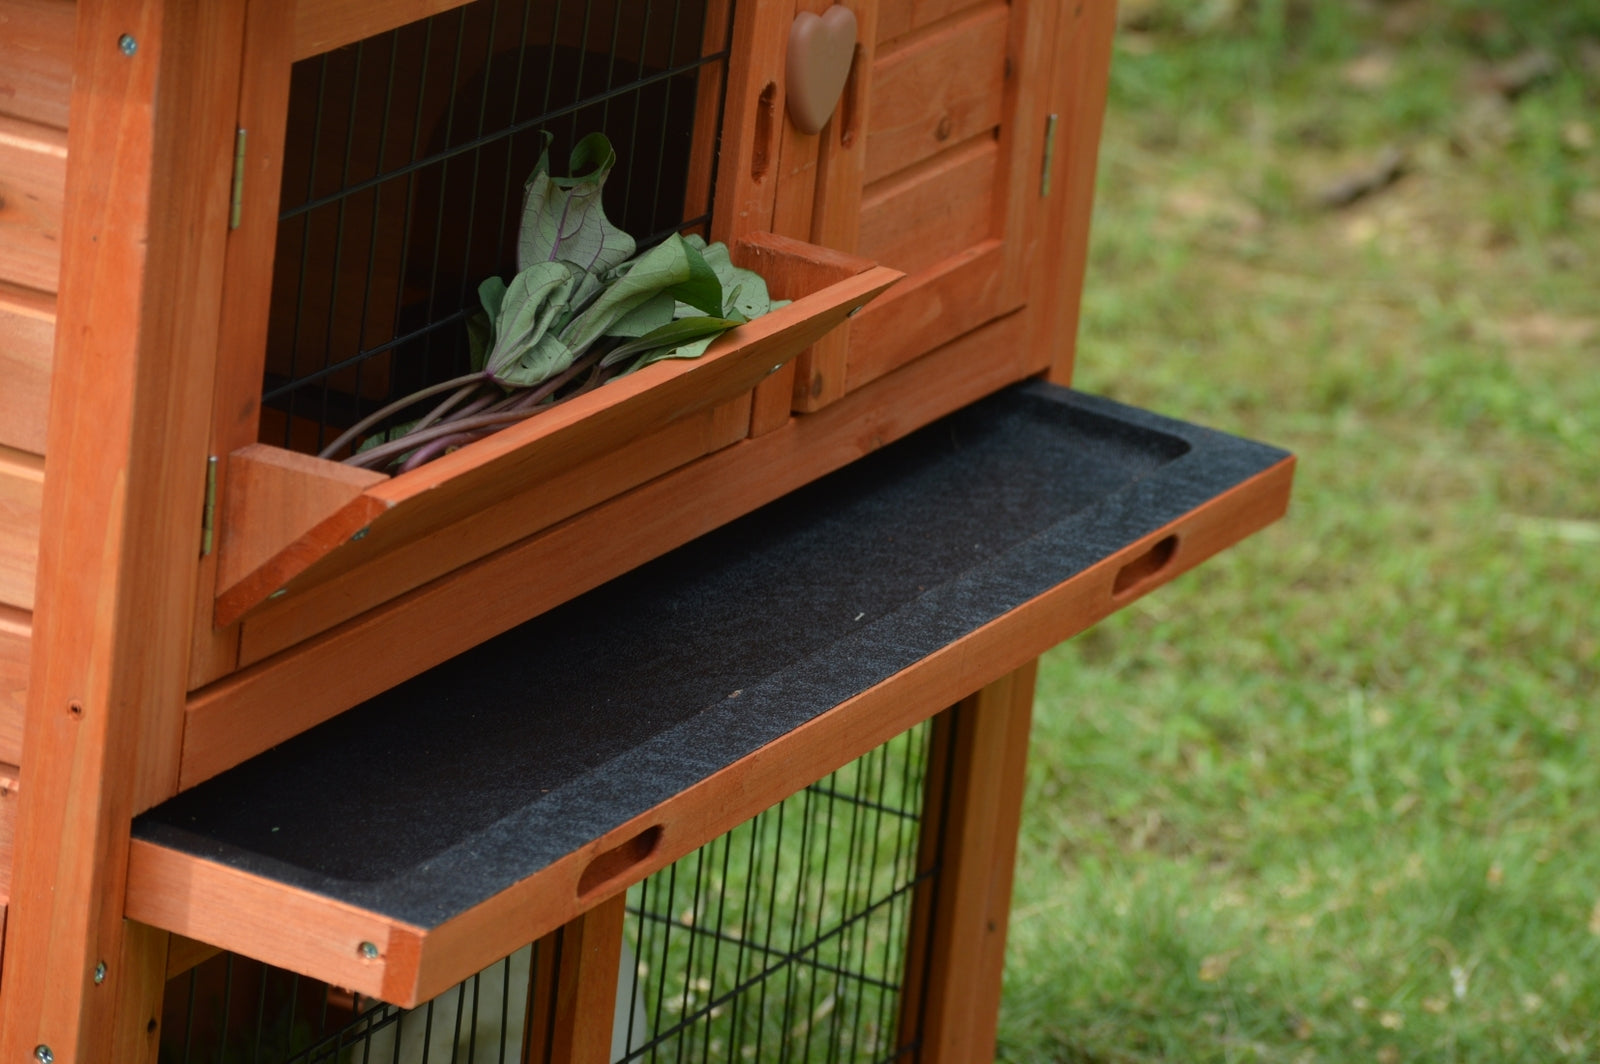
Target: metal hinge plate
[
  {"x": 236, "y": 208},
  {"x": 208, "y": 515}
]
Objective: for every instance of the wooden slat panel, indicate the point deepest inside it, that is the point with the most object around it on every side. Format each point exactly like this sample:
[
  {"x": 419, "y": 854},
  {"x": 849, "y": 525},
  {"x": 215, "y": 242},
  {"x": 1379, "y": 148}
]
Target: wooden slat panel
[
  {"x": 33, "y": 178},
  {"x": 899, "y": 17},
  {"x": 940, "y": 91},
  {"x": 934, "y": 211},
  {"x": 16, "y": 637},
  {"x": 27, "y": 332},
  {"x": 21, "y": 497},
  {"x": 36, "y": 59}
]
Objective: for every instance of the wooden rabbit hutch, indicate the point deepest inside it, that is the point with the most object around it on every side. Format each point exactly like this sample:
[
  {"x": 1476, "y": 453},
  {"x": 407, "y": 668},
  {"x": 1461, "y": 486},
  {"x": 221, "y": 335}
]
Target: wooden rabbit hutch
[{"x": 380, "y": 732}]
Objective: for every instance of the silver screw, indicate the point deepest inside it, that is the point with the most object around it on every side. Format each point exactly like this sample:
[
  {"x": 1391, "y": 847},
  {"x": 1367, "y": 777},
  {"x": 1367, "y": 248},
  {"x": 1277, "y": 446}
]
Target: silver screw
[
  {"x": 99, "y": 973},
  {"x": 43, "y": 1055},
  {"x": 359, "y": 534},
  {"x": 128, "y": 46},
  {"x": 368, "y": 951}
]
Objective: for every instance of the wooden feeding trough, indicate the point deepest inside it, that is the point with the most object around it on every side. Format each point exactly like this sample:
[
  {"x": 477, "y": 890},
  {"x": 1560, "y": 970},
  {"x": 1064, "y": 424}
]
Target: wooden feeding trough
[{"x": 382, "y": 731}]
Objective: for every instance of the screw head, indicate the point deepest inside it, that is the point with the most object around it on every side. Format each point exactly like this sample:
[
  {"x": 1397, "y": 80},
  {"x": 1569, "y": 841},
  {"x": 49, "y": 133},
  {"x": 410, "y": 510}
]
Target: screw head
[
  {"x": 43, "y": 1055},
  {"x": 128, "y": 46},
  {"x": 99, "y": 973},
  {"x": 368, "y": 951}
]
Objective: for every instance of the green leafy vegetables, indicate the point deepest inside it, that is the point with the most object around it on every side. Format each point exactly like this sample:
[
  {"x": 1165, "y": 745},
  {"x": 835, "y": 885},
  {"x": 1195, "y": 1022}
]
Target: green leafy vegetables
[{"x": 585, "y": 307}]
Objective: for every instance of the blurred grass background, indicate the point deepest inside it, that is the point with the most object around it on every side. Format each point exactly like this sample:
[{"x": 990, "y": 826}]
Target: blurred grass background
[{"x": 1335, "y": 796}]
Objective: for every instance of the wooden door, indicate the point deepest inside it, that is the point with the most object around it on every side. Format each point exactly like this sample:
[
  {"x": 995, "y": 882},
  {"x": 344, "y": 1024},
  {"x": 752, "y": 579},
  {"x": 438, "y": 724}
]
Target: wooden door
[{"x": 934, "y": 166}]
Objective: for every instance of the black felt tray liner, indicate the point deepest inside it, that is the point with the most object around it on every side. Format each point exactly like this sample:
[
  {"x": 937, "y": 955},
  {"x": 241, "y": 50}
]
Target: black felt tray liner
[{"x": 429, "y": 799}]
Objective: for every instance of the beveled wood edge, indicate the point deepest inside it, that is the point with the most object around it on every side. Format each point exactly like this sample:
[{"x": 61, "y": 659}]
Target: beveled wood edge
[
  {"x": 271, "y": 700},
  {"x": 321, "y": 937}
]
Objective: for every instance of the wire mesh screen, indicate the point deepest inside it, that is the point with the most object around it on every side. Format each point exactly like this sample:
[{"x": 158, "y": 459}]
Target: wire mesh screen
[
  {"x": 403, "y": 173},
  {"x": 234, "y": 1010},
  {"x": 786, "y": 940}
]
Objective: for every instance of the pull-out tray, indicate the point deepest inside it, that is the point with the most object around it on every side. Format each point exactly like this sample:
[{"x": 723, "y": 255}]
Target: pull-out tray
[{"x": 407, "y": 843}]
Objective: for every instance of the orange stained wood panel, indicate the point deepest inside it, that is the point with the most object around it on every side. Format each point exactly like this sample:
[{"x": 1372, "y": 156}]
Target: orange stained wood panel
[
  {"x": 36, "y": 59},
  {"x": 276, "y": 698},
  {"x": 16, "y": 637},
  {"x": 389, "y": 571},
  {"x": 21, "y": 498},
  {"x": 33, "y": 174},
  {"x": 925, "y": 215},
  {"x": 317, "y": 935},
  {"x": 27, "y": 334},
  {"x": 585, "y": 986},
  {"x": 937, "y": 91},
  {"x": 151, "y": 141},
  {"x": 836, "y": 207},
  {"x": 899, "y": 17}
]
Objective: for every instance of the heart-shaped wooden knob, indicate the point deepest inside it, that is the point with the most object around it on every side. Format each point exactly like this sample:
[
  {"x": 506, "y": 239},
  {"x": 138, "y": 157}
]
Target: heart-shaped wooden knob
[{"x": 820, "y": 50}]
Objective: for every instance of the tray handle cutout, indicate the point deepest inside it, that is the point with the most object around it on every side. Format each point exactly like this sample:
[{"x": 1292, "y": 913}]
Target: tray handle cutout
[
  {"x": 1139, "y": 573},
  {"x": 616, "y": 862}
]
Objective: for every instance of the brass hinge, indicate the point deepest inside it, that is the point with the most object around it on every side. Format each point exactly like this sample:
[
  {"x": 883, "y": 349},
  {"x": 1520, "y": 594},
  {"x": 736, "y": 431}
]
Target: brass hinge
[
  {"x": 1049, "y": 154},
  {"x": 208, "y": 515},
  {"x": 236, "y": 211}
]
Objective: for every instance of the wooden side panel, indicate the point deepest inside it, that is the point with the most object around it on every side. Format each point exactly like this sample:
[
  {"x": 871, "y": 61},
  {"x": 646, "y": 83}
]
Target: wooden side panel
[
  {"x": 21, "y": 496},
  {"x": 33, "y": 175},
  {"x": 36, "y": 59},
  {"x": 936, "y": 92},
  {"x": 16, "y": 636},
  {"x": 27, "y": 333},
  {"x": 932, "y": 212},
  {"x": 147, "y": 197}
]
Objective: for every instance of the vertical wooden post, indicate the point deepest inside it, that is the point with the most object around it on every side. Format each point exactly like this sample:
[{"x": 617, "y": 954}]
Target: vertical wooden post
[
  {"x": 951, "y": 992},
  {"x": 573, "y": 987},
  {"x": 1078, "y": 100},
  {"x": 148, "y": 175}
]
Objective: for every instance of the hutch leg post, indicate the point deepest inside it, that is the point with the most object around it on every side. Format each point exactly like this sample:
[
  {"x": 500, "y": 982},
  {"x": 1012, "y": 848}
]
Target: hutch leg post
[
  {"x": 957, "y": 952},
  {"x": 146, "y": 218},
  {"x": 573, "y": 988}
]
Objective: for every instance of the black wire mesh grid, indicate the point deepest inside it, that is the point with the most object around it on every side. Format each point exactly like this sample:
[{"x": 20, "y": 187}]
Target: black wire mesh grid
[
  {"x": 404, "y": 163},
  {"x": 785, "y": 940}
]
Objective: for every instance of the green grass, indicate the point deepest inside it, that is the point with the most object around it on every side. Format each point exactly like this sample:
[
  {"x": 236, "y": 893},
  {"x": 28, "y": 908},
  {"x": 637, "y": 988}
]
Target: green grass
[{"x": 1336, "y": 795}]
